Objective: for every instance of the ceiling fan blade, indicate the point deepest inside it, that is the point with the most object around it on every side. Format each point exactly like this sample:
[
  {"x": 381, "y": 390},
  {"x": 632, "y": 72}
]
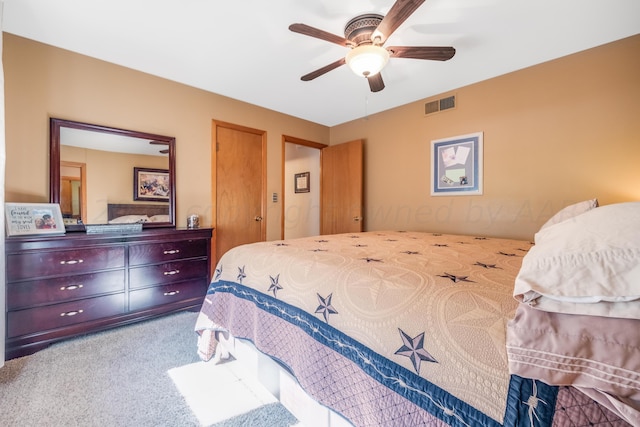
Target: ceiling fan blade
[
  {"x": 375, "y": 82},
  {"x": 317, "y": 73},
  {"x": 435, "y": 53},
  {"x": 319, "y": 34},
  {"x": 398, "y": 13}
]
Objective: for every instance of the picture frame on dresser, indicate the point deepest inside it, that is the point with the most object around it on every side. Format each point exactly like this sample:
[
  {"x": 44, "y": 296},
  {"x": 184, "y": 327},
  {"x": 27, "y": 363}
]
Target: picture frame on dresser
[{"x": 24, "y": 219}]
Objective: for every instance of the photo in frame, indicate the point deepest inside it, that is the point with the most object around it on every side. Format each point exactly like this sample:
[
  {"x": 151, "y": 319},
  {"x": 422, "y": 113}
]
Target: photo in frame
[
  {"x": 456, "y": 165},
  {"x": 302, "y": 182},
  {"x": 23, "y": 219},
  {"x": 151, "y": 184}
]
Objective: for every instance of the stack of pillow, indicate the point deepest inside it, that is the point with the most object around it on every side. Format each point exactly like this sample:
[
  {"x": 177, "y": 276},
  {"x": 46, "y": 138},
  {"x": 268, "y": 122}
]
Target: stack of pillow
[
  {"x": 578, "y": 322},
  {"x": 585, "y": 263}
]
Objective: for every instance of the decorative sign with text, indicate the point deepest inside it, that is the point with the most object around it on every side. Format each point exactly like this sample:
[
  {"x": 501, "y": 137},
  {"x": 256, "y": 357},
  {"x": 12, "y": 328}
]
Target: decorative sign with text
[{"x": 33, "y": 218}]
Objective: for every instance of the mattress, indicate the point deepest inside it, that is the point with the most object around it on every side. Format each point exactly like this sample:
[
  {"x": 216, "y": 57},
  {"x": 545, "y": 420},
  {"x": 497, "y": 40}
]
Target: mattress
[{"x": 385, "y": 328}]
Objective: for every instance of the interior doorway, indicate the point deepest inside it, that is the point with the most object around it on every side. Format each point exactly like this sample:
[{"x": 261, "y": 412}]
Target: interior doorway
[
  {"x": 301, "y": 171},
  {"x": 334, "y": 202},
  {"x": 73, "y": 191}
]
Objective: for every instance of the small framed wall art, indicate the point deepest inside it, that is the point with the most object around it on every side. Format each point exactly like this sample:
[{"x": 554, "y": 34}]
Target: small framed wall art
[
  {"x": 456, "y": 165},
  {"x": 24, "y": 219},
  {"x": 302, "y": 182}
]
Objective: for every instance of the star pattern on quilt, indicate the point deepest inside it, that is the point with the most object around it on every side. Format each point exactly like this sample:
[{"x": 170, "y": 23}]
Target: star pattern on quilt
[
  {"x": 322, "y": 241},
  {"x": 274, "y": 286},
  {"x": 454, "y": 278},
  {"x": 319, "y": 250},
  {"x": 241, "y": 274},
  {"x": 368, "y": 259},
  {"x": 411, "y": 252},
  {"x": 480, "y": 238},
  {"x": 360, "y": 246},
  {"x": 505, "y": 253},
  {"x": 483, "y": 265},
  {"x": 413, "y": 348},
  {"x": 280, "y": 244},
  {"x": 325, "y": 307},
  {"x": 218, "y": 273},
  {"x": 440, "y": 245}
]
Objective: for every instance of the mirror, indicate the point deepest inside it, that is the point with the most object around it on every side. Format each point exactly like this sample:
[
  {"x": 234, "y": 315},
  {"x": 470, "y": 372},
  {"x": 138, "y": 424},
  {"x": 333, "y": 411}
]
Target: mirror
[{"x": 103, "y": 175}]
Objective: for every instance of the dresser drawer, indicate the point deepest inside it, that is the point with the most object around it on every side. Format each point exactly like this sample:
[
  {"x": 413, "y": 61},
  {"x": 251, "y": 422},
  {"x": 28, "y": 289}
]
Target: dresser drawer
[
  {"x": 167, "y": 272},
  {"x": 160, "y": 295},
  {"x": 61, "y": 289},
  {"x": 37, "y": 264},
  {"x": 167, "y": 251},
  {"x": 40, "y": 319}
]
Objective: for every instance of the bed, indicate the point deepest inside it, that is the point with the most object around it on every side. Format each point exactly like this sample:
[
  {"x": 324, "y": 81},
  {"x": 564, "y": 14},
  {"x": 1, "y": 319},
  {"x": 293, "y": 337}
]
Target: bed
[
  {"x": 127, "y": 213},
  {"x": 398, "y": 329}
]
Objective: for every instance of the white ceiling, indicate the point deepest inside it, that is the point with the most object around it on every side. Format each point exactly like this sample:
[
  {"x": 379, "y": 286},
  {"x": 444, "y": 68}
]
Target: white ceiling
[{"x": 243, "y": 48}]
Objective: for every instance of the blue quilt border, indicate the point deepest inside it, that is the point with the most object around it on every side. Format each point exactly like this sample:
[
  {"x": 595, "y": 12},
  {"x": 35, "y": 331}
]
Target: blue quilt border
[{"x": 529, "y": 403}]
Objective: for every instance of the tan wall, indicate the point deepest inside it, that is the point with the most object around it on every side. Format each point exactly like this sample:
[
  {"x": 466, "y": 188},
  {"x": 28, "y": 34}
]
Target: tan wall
[
  {"x": 556, "y": 133},
  {"x": 42, "y": 82}
]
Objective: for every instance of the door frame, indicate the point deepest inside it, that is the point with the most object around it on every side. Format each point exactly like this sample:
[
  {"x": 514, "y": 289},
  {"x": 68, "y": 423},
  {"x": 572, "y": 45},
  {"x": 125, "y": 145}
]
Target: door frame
[
  {"x": 298, "y": 141},
  {"x": 215, "y": 124}
]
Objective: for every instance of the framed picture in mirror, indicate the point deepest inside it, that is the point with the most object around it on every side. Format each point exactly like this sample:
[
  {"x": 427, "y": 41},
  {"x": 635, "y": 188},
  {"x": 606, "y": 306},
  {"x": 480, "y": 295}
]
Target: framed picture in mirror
[{"x": 151, "y": 185}]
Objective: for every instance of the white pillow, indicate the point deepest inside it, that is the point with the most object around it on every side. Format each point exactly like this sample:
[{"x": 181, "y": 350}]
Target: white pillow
[
  {"x": 570, "y": 212},
  {"x": 589, "y": 265},
  {"x": 159, "y": 218},
  {"x": 129, "y": 219}
]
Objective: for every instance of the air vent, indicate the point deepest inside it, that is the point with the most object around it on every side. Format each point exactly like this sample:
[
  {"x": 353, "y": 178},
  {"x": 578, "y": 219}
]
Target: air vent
[
  {"x": 440, "y": 105},
  {"x": 432, "y": 107}
]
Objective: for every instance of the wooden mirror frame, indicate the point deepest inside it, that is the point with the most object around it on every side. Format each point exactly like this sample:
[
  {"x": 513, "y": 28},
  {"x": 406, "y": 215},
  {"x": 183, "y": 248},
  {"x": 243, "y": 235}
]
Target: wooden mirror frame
[{"x": 54, "y": 163}]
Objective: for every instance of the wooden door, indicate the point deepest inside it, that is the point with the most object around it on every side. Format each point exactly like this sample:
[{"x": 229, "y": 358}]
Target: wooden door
[
  {"x": 239, "y": 186},
  {"x": 341, "y": 188}
]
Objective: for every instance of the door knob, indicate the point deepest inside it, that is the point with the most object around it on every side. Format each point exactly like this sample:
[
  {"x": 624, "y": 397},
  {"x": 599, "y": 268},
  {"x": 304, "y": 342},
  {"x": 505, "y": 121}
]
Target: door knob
[
  {"x": 357, "y": 218},
  {"x": 258, "y": 218}
]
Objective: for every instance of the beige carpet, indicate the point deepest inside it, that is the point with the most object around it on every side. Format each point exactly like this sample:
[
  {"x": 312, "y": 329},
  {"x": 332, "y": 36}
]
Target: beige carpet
[{"x": 146, "y": 374}]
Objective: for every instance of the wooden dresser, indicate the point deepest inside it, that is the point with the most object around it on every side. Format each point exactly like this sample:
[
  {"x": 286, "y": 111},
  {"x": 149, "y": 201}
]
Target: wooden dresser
[{"x": 63, "y": 286}]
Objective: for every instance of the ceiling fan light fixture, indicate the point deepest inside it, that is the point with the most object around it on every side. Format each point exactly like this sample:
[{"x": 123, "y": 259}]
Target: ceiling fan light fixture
[{"x": 367, "y": 60}]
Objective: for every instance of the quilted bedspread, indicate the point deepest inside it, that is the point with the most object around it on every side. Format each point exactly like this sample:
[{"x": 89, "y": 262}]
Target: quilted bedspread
[{"x": 385, "y": 328}]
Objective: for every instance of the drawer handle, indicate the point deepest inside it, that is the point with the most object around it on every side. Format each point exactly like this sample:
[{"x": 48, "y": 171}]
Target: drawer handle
[
  {"x": 71, "y": 313},
  {"x": 172, "y": 293},
  {"x": 71, "y": 287},
  {"x": 171, "y": 273},
  {"x": 72, "y": 262},
  {"x": 172, "y": 252}
]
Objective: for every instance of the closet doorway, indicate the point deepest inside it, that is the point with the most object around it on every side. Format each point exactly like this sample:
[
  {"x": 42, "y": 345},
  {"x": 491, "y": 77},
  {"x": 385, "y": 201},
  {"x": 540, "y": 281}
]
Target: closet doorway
[{"x": 238, "y": 185}]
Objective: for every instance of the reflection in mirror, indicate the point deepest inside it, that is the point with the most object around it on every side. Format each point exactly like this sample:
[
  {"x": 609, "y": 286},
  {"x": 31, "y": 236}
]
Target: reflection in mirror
[{"x": 94, "y": 173}]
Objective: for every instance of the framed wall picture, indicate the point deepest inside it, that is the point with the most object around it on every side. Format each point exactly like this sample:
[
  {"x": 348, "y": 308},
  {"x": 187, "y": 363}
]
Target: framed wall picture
[
  {"x": 151, "y": 185},
  {"x": 24, "y": 219},
  {"x": 302, "y": 182},
  {"x": 456, "y": 165}
]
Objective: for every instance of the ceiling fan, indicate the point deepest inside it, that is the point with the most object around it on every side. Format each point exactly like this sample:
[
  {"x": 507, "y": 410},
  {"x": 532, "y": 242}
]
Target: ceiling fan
[
  {"x": 365, "y": 35},
  {"x": 164, "y": 151}
]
